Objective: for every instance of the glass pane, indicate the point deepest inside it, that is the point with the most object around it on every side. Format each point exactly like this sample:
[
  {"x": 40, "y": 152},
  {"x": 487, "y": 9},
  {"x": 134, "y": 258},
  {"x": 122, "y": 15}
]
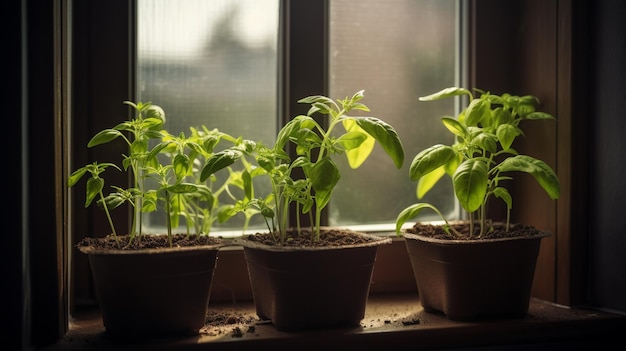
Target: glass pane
[
  {"x": 396, "y": 51},
  {"x": 210, "y": 63}
]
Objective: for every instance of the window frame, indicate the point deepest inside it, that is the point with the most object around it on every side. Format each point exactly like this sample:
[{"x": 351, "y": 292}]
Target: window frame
[{"x": 96, "y": 94}]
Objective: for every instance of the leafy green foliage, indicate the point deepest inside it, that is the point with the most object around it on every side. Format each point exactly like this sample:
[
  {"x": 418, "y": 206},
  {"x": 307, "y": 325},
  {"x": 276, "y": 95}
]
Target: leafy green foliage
[
  {"x": 174, "y": 164},
  {"x": 315, "y": 144},
  {"x": 481, "y": 156}
]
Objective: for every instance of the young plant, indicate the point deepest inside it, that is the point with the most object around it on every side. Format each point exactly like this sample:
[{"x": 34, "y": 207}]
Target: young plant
[
  {"x": 316, "y": 144},
  {"x": 481, "y": 156},
  {"x": 137, "y": 133},
  {"x": 166, "y": 175},
  {"x": 185, "y": 190}
]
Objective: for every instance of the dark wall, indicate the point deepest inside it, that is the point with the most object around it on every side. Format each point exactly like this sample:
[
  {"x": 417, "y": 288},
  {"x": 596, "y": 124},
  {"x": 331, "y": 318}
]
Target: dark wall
[
  {"x": 11, "y": 261},
  {"x": 607, "y": 235}
]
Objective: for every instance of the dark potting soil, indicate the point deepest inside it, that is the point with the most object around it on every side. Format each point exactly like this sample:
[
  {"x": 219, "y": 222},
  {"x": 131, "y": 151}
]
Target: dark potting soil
[
  {"x": 148, "y": 241},
  {"x": 328, "y": 237},
  {"x": 497, "y": 230}
]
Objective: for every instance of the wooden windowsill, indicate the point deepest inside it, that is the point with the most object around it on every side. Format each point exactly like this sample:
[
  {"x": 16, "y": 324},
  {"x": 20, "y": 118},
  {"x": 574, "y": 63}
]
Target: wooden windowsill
[{"x": 392, "y": 322}]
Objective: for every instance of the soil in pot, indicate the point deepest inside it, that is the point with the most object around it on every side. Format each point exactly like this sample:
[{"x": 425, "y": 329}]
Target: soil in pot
[
  {"x": 474, "y": 279},
  {"x": 147, "y": 242},
  {"x": 328, "y": 238},
  {"x": 307, "y": 285}
]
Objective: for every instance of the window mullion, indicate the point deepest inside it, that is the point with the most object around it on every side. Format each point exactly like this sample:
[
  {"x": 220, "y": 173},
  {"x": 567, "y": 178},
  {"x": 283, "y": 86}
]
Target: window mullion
[{"x": 303, "y": 62}]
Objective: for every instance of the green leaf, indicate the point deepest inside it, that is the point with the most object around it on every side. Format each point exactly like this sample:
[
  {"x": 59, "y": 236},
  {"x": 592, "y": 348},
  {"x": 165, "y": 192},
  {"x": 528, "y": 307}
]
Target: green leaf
[
  {"x": 506, "y": 134},
  {"x": 224, "y": 213},
  {"x": 386, "y": 135},
  {"x": 113, "y": 200},
  {"x": 104, "y": 137},
  {"x": 149, "y": 203},
  {"x": 486, "y": 141},
  {"x": 428, "y": 181},
  {"x": 157, "y": 149},
  {"x": 470, "y": 184},
  {"x": 289, "y": 130},
  {"x": 247, "y": 184},
  {"x": 94, "y": 187},
  {"x": 183, "y": 188},
  {"x": 411, "y": 212},
  {"x": 181, "y": 166},
  {"x": 476, "y": 111},
  {"x": 543, "y": 174},
  {"x": 322, "y": 198},
  {"x": 156, "y": 112},
  {"x": 454, "y": 126},
  {"x": 359, "y": 106},
  {"x": 356, "y": 156},
  {"x": 75, "y": 176},
  {"x": 503, "y": 194},
  {"x": 219, "y": 161},
  {"x": 324, "y": 175},
  {"x": 430, "y": 159},
  {"x": 316, "y": 98},
  {"x": 444, "y": 93},
  {"x": 502, "y": 116},
  {"x": 353, "y": 139}
]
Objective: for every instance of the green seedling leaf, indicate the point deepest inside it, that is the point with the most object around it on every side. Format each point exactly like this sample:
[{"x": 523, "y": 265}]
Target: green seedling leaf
[
  {"x": 428, "y": 181},
  {"x": 503, "y": 193},
  {"x": 182, "y": 166},
  {"x": 322, "y": 198},
  {"x": 157, "y": 150},
  {"x": 502, "y": 116},
  {"x": 477, "y": 111},
  {"x": 411, "y": 212},
  {"x": 219, "y": 161},
  {"x": 183, "y": 188},
  {"x": 356, "y": 156},
  {"x": 352, "y": 140},
  {"x": 543, "y": 174},
  {"x": 386, "y": 135},
  {"x": 470, "y": 184},
  {"x": 486, "y": 141},
  {"x": 149, "y": 201},
  {"x": 290, "y": 130},
  {"x": 113, "y": 200},
  {"x": 445, "y": 93},
  {"x": 454, "y": 126},
  {"x": 104, "y": 137},
  {"x": 324, "y": 175},
  {"x": 94, "y": 187},
  {"x": 75, "y": 176},
  {"x": 430, "y": 159},
  {"x": 507, "y": 133},
  {"x": 157, "y": 113}
]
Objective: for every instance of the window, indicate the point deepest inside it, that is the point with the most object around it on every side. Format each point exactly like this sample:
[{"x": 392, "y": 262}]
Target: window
[
  {"x": 99, "y": 83},
  {"x": 396, "y": 51},
  {"x": 215, "y": 63}
]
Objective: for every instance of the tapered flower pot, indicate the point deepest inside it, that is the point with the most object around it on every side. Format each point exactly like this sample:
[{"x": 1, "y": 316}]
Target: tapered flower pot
[
  {"x": 474, "y": 279},
  {"x": 311, "y": 287},
  {"x": 153, "y": 292}
]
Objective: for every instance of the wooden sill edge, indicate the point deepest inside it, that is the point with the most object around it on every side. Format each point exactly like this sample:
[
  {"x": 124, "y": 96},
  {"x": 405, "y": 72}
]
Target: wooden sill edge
[{"x": 392, "y": 322}]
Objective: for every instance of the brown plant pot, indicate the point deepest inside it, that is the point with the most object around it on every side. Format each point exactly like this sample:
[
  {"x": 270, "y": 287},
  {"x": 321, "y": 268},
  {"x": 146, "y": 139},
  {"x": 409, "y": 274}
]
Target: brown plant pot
[
  {"x": 474, "y": 279},
  {"x": 311, "y": 287},
  {"x": 153, "y": 292}
]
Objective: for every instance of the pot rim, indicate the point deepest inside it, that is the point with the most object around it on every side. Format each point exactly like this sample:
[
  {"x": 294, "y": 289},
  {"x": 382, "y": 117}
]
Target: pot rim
[
  {"x": 413, "y": 236},
  {"x": 90, "y": 250}
]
